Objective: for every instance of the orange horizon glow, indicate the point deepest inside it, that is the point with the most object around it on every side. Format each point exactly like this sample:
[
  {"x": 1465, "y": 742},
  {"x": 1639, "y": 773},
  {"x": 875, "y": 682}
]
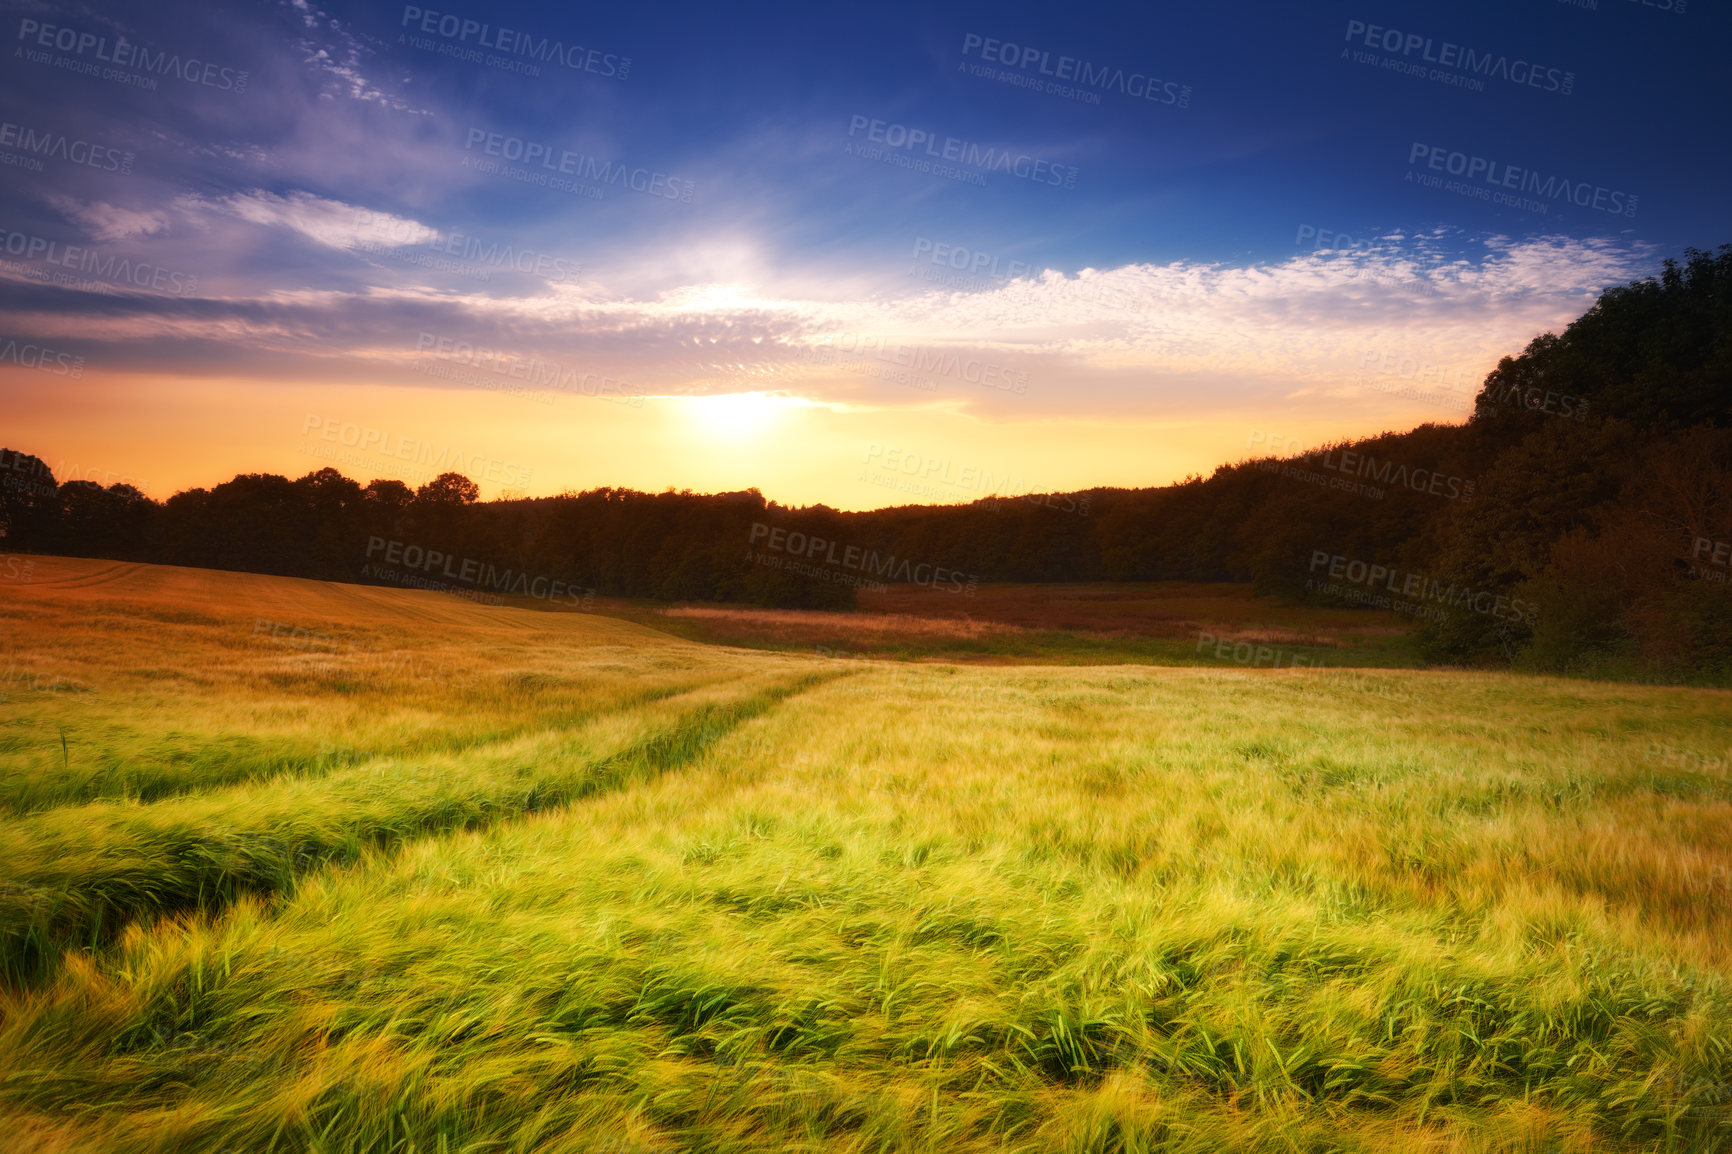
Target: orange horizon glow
[
  {"x": 1048, "y": 384},
  {"x": 179, "y": 435}
]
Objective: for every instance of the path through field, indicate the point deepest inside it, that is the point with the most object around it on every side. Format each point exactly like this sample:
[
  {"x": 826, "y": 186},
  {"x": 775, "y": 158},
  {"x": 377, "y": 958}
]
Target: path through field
[{"x": 293, "y": 866}]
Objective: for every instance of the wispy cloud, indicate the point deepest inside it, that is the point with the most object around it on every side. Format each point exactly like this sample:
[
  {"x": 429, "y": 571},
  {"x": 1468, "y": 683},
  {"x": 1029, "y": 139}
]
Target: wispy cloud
[
  {"x": 1303, "y": 325},
  {"x": 103, "y": 221}
]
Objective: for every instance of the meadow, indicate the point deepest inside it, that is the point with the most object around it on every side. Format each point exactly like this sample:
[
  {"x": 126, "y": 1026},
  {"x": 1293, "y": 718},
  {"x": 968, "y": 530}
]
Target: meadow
[
  {"x": 1092, "y": 623},
  {"x": 296, "y": 866}
]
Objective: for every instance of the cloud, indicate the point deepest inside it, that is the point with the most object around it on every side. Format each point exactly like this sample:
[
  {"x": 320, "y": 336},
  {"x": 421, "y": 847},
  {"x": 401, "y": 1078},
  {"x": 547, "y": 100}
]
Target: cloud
[
  {"x": 330, "y": 223},
  {"x": 109, "y": 222},
  {"x": 1093, "y": 341},
  {"x": 340, "y": 58}
]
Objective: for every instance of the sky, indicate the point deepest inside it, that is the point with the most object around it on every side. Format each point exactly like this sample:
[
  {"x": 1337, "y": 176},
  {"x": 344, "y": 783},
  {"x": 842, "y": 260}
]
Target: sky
[{"x": 858, "y": 255}]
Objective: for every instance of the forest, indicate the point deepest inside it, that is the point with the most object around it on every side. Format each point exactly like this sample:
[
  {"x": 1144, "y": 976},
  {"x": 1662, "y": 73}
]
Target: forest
[{"x": 1580, "y": 520}]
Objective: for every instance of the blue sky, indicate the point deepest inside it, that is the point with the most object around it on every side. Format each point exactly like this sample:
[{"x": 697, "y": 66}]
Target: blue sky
[{"x": 1055, "y": 263}]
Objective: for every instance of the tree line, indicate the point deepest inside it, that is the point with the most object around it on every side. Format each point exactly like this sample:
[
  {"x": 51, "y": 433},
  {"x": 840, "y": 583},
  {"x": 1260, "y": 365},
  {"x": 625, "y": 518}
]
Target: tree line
[{"x": 1591, "y": 482}]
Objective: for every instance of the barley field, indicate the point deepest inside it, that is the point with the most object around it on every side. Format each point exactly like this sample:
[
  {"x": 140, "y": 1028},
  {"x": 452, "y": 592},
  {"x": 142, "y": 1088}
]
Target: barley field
[
  {"x": 293, "y": 866},
  {"x": 1157, "y": 622}
]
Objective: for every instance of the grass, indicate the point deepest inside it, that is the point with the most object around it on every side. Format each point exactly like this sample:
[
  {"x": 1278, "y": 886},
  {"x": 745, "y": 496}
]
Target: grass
[
  {"x": 921, "y": 906},
  {"x": 1158, "y": 623}
]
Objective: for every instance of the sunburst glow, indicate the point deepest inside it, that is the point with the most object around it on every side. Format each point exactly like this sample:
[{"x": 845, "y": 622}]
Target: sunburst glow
[{"x": 741, "y": 415}]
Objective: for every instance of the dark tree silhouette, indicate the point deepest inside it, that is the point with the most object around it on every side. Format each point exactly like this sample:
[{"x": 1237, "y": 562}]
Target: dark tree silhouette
[
  {"x": 1597, "y": 466},
  {"x": 27, "y": 495},
  {"x": 449, "y": 489}
]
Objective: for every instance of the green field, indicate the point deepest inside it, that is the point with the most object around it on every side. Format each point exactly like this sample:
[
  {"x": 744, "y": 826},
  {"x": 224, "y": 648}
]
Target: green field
[{"x": 293, "y": 866}]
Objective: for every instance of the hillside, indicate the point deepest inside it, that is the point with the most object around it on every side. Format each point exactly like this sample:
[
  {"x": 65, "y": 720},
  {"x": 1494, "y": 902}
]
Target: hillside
[
  {"x": 1578, "y": 522},
  {"x": 297, "y": 866}
]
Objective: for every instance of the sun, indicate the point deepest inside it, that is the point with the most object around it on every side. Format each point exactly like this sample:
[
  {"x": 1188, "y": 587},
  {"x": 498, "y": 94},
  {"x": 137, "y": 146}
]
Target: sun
[{"x": 737, "y": 415}]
